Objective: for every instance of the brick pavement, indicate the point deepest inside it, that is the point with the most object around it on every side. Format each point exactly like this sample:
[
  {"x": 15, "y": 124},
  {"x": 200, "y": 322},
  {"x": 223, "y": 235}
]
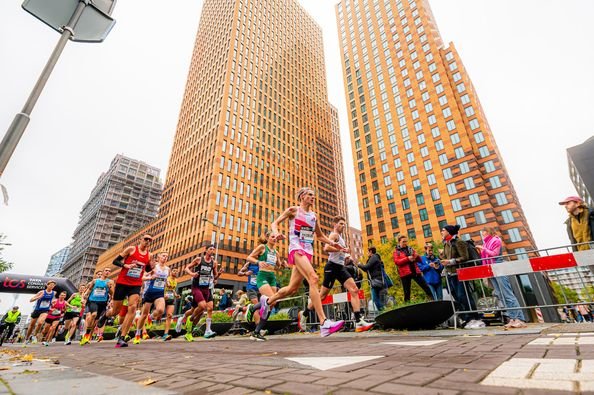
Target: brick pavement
[{"x": 233, "y": 365}]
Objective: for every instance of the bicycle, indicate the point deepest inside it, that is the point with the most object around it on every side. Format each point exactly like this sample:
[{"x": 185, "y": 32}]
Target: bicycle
[{"x": 4, "y": 334}]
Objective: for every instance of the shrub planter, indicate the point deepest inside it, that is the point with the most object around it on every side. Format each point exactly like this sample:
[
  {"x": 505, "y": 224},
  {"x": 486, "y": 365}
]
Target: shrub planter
[
  {"x": 416, "y": 316},
  {"x": 273, "y": 326},
  {"x": 220, "y": 328}
]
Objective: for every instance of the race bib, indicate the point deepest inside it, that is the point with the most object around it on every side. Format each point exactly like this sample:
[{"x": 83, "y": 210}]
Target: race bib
[
  {"x": 75, "y": 310},
  {"x": 271, "y": 259},
  {"x": 56, "y": 312},
  {"x": 253, "y": 280},
  {"x": 134, "y": 272},
  {"x": 44, "y": 304},
  {"x": 204, "y": 281},
  {"x": 159, "y": 283},
  {"x": 99, "y": 292},
  {"x": 169, "y": 295},
  {"x": 306, "y": 234}
]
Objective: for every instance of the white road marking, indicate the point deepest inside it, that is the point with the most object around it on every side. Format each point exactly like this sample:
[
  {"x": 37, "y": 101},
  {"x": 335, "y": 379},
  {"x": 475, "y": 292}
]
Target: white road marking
[
  {"x": 416, "y": 343},
  {"x": 562, "y": 341},
  {"x": 326, "y": 363},
  {"x": 538, "y": 373}
]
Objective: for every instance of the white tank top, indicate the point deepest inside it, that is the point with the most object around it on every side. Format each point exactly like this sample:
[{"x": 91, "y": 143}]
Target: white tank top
[
  {"x": 301, "y": 231},
  {"x": 338, "y": 257}
]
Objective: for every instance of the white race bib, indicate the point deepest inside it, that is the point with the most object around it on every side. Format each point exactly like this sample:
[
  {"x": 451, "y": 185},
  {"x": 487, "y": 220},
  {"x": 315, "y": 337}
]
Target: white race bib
[
  {"x": 306, "y": 235},
  {"x": 99, "y": 292},
  {"x": 159, "y": 283},
  {"x": 169, "y": 295},
  {"x": 44, "y": 304},
  {"x": 134, "y": 272},
  {"x": 253, "y": 280},
  {"x": 271, "y": 259},
  {"x": 204, "y": 281},
  {"x": 56, "y": 312}
]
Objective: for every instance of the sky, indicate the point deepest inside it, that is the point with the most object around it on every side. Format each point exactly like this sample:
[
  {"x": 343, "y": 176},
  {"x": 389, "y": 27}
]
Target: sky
[{"x": 531, "y": 63}]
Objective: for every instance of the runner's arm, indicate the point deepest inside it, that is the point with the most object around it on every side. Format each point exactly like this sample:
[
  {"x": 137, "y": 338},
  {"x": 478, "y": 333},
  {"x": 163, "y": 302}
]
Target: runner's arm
[
  {"x": 244, "y": 269},
  {"x": 190, "y": 266},
  {"x": 111, "y": 288},
  {"x": 253, "y": 257},
  {"x": 327, "y": 247},
  {"x": 119, "y": 261},
  {"x": 322, "y": 237},
  {"x": 288, "y": 214},
  {"x": 37, "y": 296}
]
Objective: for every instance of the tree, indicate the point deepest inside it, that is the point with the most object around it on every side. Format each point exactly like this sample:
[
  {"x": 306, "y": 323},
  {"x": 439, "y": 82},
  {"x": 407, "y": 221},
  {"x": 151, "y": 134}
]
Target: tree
[
  {"x": 4, "y": 265},
  {"x": 564, "y": 294}
]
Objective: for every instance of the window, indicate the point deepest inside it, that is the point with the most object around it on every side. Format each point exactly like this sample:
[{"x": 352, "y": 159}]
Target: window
[
  {"x": 501, "y": 199},
  {"x": 478, "y": 137},
  {"x": 439, "y": 145},
  {"x": 514, "y": 235},
  {"x": 405, "y": 204},
  {"x": 455, "y": 138},
  {"x": 392, "y": 208},
  {"x": 367, "y": 216},
  {"x": 427, "y": 231},
  {"x": 439, "y": 210},
  {"x": 484, "y": 151},
  {"x": 408, "y": 218},
  {"x": 423, "y": 214},
  {"x": 387, "y": 181},
  {"x": 508, "y": 216},
  {"x": 459, "y": 152},
  {"x": 451, "y": 125},
  {"x": 412, "y": 234},
  {"x": 474, "y": 124},
  {"x": 469, "y": 183},
  {"x": 394, "y": 222},
  {"x": 460, "y": 220},
  {"x": 469, "y": 111},
  {"x": 465, "y": 99},
  {"x": 381, "y": 226},
  {"x": 443, "y": 100},
  {"x": 435, "y": 194},
  {"x": 447, "y": 173},
  {"x": 427, "y": 164},
  {"x": 456, "y": 206},
  {"x": 402, "y": 189},
  {"x": 495, "y": 182},
  {"x": 379, "y": 213},
  {"x": 443, "y": 159},
  {"x": 389, "y": 194},
  {"x": 452, "y": 189},
  {"x": 475, "y": 200},
  {"x": 479, "y": 217},
  {"x": 489, "y": 166},
  {"x": 369, "y": 230},
  {"x": 420, "y": 199},
  {"x": 464, "y": 168},
  {"x": 431, "y": 179}
]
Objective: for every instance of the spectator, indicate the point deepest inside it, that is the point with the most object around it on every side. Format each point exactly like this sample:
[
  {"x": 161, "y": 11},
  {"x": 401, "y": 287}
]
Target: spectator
[
  {"x": 454, "y": 253},
  {"x": 10, "y": 320},
  {"x": 188, "y": 304},
  {"x": 373, "y": 267},
  {"x": 406, "y": 260},
  {"x": 580, "y": 223},
  {"x": 491, "y": 252},
  {"x": 432, "y": 268},
  {"x": 349, "y": 264},
  {"x": 584, "y": 312},
  {"x": 225, "y": 300}
]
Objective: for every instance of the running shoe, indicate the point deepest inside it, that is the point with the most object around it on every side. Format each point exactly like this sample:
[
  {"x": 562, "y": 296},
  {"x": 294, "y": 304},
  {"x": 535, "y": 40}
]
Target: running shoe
[
  {"x": 263, "y": 332},
  {"x": 85, "y": 339},
  {"x": 145, "y": 336},
  {"x": 363, "y": 326},
  {"x": 178, "y": 325},
  {"x": 249, "y": 313},
  {"x": 188, "y": 336},
  {"x": 99, "y": 338},
  {"x": 34, "y": 340},
  {"x": 67, "y": 342},
  {"x": 264, "y": 308},
  {"x": 166, "y": 337},
  {"x": 121, "y": 343},
  {"x": 257, "y": 337},
  {"x": 45, "y": 344},
  {"x": 329, "y": 327},
  {"x": 302, "y": 321},
  {"x": 127, "y": 338},
  {"x": 136, "y": 340},
  {"x": 209, "y": 334}
]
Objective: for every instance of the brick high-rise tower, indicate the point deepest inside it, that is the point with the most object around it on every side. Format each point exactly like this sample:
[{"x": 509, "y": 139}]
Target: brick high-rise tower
[
  {"x": 255, "y": 125},
  {"x": 423, "y": 151}
]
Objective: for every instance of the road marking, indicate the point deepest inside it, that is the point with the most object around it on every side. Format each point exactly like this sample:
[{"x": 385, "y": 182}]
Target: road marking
[
  {"x": 570, "y": 334},
  {"x": 562, "y": 341},
  {"x": 326, "y": 363},
  {"x": 416, "y": 343},
  {"x": 539, "y": 373}
]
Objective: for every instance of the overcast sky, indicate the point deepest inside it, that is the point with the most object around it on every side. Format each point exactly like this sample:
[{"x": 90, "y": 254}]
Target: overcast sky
[{"x": 531, "y": 62}]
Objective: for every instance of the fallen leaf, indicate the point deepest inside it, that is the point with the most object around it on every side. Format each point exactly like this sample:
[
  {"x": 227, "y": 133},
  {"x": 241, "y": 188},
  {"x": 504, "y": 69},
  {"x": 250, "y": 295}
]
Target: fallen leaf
[
  {"x": 148, "y": 381},
  {"x": 27, "y": 358},
  {"x": 4, "y": 367},
  {"x": 27, "y": 371}
]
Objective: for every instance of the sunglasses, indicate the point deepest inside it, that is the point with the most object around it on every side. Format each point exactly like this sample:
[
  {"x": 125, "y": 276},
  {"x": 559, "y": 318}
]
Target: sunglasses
[{"x": 147, "y": 239}]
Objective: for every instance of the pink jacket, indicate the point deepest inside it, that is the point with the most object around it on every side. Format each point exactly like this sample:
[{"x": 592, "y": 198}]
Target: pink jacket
[{"x": 491, "y": 248}]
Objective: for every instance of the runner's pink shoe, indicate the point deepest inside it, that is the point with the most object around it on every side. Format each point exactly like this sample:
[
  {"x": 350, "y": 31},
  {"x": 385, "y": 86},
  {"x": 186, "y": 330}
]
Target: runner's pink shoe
[{"x": 329, "y": 327}]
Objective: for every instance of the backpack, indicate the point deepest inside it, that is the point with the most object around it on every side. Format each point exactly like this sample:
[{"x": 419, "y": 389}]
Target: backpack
[{"x": 473, "y": 254}]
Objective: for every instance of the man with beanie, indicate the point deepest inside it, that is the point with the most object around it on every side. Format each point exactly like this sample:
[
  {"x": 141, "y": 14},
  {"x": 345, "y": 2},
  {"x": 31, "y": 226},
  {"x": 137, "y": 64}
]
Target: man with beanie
[
  {"x": 455, "y": 252},
  {"x": 580, "y": 224}
]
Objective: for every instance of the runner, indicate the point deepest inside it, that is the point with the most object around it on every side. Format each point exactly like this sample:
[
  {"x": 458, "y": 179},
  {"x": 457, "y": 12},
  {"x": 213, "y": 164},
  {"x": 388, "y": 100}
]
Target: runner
[
  {"x": 53, "y": 317},
  {"x": 43, "y": 303},
  {"x": 133, "y": 261},
  {"x": 266, "y": 256},
  {"x": 98, "y": 292},
  {"x": 202, "y": 278},
  {"x": 170, "y": 296},
  {"x": 154, "y": 294},
  {"x": 303, "y": 227},
  {"x": 73, "y": 313},
  {"x": 250, "y": 269},
  {"x": 335, "y": 270}
]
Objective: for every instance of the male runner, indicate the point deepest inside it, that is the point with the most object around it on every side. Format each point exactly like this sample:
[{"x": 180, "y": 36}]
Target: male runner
[
  {"x": 335, "y": 270},
  {"x": 170, "y": 296},
  {"x": 303, "y": 228},
  {"x": 96, "y": 296},
  {"x": 134, "y": 260},
  {"x": 43, "y": 303},
  {"x": 72, "y": 314}
]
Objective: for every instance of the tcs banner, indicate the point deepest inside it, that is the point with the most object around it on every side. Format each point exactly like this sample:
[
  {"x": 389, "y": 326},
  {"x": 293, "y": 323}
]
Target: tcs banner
[{"x": 24, "y": 284}]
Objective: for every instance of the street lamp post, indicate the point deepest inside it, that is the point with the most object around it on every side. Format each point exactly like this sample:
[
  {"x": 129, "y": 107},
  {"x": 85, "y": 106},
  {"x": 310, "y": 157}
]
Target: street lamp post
[{"x": 217, "y": 238}]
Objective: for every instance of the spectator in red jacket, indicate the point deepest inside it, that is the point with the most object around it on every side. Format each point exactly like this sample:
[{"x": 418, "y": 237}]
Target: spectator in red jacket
[{"x": 406, "y": 259}]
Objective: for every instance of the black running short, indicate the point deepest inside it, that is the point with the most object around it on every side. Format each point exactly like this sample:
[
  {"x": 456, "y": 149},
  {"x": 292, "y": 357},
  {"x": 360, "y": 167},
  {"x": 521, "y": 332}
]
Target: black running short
[
  {"x": 169, "y": 302},
  {"x": 37, "y": 313},
  {"x": 97, "y": 307},
  {"x": 71, "y": 314},
  {"x": 150, "y": 297},
  {"x": 123, "y": 291},
  {"x": 334, "y": 271}
]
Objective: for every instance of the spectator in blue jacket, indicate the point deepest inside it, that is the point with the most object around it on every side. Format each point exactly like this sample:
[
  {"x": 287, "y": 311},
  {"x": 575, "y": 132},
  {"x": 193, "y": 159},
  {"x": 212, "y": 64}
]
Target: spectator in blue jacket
[{"x": 432, "y": 268}]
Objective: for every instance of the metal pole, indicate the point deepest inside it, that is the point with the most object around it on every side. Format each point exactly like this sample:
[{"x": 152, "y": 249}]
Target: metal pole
[{"x": 21, "y": 120}]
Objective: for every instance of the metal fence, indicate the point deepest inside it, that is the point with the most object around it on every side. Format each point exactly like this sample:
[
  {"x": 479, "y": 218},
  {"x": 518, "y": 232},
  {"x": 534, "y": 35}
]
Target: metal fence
[{"x": 532, "y": 285}]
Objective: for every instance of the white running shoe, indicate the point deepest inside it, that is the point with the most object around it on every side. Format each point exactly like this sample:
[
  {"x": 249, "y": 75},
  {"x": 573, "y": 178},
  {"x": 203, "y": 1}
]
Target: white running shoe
[
  {"x": 363, "y": 326},
  {"x": 329, "y": 327},
  {"x": 302, "y": 321},
  {"x": 178, "y": 325}
]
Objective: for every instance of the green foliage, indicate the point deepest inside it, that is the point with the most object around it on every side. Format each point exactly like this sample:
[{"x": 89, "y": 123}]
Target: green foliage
[
  {"x": 279, "y": 317},
  {"x": 217, "y": 316},
  {"x": 559, "y": 291},
  {"x": 4, "y": 265}
]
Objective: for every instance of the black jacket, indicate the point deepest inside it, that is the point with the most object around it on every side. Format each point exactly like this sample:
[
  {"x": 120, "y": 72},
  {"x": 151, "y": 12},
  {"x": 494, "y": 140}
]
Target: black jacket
[
  {"x": 373, "y": 267},
  {"x": 570, "y": 232}
]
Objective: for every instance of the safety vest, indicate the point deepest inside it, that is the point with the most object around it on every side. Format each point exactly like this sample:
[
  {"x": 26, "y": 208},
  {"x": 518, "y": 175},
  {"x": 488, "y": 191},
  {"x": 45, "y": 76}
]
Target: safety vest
[{"x": 12, "y": 316}]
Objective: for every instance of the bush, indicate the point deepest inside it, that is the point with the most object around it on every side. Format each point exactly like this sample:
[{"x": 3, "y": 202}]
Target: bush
[
  {"x": 279, "y": 317},
  {"x": 217, "y": 316}
]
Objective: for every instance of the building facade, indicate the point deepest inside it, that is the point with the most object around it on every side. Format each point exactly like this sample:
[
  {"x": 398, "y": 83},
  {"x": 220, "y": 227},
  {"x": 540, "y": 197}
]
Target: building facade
[
  {"x": 575, "y": 281},
  {"x": 125, "y": 198},
  {"x": 423, "y": 151},
  {"x": 255, "y": 125},
  {"x": 57, "y": 262},
  {"x": 355, "y": 244},
  {"x": 581, "y": 169}
]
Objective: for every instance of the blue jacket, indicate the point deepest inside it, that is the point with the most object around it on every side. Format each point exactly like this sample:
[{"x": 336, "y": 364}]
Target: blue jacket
[{"x": 431, "y": 275}]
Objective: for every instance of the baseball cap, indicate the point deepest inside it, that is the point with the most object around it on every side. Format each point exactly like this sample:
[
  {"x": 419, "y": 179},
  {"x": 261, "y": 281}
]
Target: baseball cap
[{"x": 568, "y": 199}]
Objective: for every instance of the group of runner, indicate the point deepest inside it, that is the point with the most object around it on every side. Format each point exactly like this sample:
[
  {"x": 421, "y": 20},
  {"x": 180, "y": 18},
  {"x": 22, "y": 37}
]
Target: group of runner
[{"x": 103, "y": 298}]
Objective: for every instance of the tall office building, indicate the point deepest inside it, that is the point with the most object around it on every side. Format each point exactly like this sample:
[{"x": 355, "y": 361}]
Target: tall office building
[
  {"x": 355, "y": 244},
  {"x": 57, "y": 262},
  {"x": 423, "y": 151},
  {"x": 255, "y": 125},
  {"x": 125, "y": 198},
  {"x": 581, "y": 169}
]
